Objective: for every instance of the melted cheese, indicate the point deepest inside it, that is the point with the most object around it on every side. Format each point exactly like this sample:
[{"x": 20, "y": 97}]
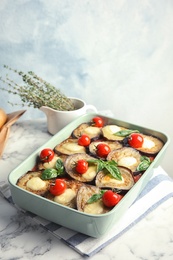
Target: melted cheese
[
  {"x": 148, "y": 143},
  {"x": 65, "y": 197},
  {"x": 127, "y": 161},
  {"x": 114, "y": 128},
  {"x": 51, "y": 164},
  {"x": 35, "y": 183},
  {"x": 94, "y": 208},
  {"x": 73, "y": 147},
  {"x": 92, "y": 130},
  {"x": 107, "y": 179},
  {"x": 90, "y": 173}
]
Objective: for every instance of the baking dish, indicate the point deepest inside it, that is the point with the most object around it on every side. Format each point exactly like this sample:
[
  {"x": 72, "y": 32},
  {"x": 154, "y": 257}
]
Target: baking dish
[{"x": 89, "y": 224}]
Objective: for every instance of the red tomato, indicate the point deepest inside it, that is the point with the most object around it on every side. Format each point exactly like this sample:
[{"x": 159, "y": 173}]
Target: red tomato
[
  {"x": 102, "y": 150},
  {"x": 137, "y": 177},
  {"x": 81, "y": 166},
  {"x": 151, "y": 158},
  {"x": 46, "y": 155},
  {"x": 98, "y": 121},
  {"x": 59, "y": 187},
  {"x": 135, "y": 140},
  {"x": 110, "y": 198},
  {"x": 84, "y": 140}
]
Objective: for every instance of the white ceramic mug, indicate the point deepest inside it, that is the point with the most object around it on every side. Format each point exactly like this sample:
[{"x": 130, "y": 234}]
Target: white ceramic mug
[{"x": 56, "y": 119}]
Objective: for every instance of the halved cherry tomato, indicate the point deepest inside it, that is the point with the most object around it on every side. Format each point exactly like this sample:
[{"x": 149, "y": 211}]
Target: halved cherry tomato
[
  {"x": 81, "y": 166},
  {"x": 84, "y": 140},
  {"x": 135, "y": 140},
  {"x": 110, "y": 198},
  {"x": 47, "y": 155},
  {"x": 103, "y": 150},
  {"x": 98, "y": 121},
  {"x": 58, "y": 188}
]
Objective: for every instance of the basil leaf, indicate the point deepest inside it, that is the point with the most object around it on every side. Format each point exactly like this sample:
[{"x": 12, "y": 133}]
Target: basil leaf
[
  {"x": 59, "y": 166},
  {"x": 49, "y": 174},
  {"x": 125, "y": 133},
  {"x": 114, "y": 171},
  {"x": 99, "y": 163},
  {"x": 143, "y": 166},
  {"x": 112, "y": 163},
  {"x": 110, "y": 166},
  {"x": 145, "y": 163},
  {"x": 95, "y": 197},
  {"x": 145, "y": 158}
]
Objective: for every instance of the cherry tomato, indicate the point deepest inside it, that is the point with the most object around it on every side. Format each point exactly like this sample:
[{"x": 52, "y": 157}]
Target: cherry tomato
[
  {"x": 110, "y": 198},
  {"x": 81, "y": 166},
  {"x": 135, "y": 140},
  {"x": 137, "y": 177},
  {"x": 151, "y": 158},
  {"x": 47, "y": 155},
  {"x": 84, "y": 140},
  {"x": 98, "y": 121},
  {"x": 102, "y": 150},
  {"x": 59, "y": 187}
]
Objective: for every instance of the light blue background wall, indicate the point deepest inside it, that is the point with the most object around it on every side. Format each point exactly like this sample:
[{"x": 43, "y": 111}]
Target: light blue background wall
[{"x": 115, "y": 54}]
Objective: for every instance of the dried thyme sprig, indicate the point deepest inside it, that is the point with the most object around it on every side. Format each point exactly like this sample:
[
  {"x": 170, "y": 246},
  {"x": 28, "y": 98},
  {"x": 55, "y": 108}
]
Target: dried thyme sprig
[{"x": 36, "y": 92}]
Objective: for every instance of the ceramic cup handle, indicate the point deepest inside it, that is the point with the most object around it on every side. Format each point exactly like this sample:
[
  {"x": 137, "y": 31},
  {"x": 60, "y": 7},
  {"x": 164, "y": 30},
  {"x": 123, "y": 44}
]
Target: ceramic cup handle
[{"x": 91, "y": 108}]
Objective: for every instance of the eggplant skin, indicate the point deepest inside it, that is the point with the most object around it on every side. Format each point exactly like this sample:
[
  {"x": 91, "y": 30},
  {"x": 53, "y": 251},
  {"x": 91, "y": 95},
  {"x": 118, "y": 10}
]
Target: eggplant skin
[
  {"x": 69, "y": 165},
  {"x": 151, "y": 145},
  {"x": 86, "y": 128},
  {"x": 126, "y": 156},
  {"x": 69, "y": 146},
  {"x": 31, "y": 175},
  {"x": 112, "y": 144},
  {"x": 109, "y": 131},
  {"x": 51, "y": 164},
  {"x": 85, "y": 192},
  {"x": 105, "y": 180},
  {"x": 71, "y": 185}
]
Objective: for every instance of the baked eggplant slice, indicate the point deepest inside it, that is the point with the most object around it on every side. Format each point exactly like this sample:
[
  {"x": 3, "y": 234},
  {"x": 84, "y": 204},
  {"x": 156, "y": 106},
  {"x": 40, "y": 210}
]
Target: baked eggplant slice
[
  {"x": 126, "y": 156},
  {"x": 106, "y": 180},
  {"x": 68, "y": 198},
  {"x": 88, "y": 129},
  {"x": 52, "y": 163},
  {"x": 109, "y": 131},
  {"x": 84, "y": 194},
  {"x": 70, "y": 163},
  {"x": 32, "y": 182},
  {"x": 69, "y": 146},
  {"x": 151, "y": 145},
  {"x": 112, "y": 144}
]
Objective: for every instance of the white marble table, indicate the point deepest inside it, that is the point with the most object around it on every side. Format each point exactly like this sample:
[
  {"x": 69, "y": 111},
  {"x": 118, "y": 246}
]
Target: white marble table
[{"x": 21, "y": 238}]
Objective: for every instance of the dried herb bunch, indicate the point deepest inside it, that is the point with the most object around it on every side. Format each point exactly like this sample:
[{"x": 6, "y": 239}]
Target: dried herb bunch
[{"x": 36, "y": 92}]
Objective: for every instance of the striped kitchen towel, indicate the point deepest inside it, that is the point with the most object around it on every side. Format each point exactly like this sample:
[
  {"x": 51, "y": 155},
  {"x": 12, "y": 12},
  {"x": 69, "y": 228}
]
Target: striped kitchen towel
[{"x": 158, "y": 190}]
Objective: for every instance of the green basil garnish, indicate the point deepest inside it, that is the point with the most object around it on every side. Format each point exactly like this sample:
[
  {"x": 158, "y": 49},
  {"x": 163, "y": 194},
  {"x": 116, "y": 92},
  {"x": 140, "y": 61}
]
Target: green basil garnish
[
  {"x": 95, "y": 197},
  {"x": 124, "y": 133},
  {"x": 49, "y": 174},
  {"x": 110, "y": 166},
  {"x": 53, "y": 173},
  {"x": 145, "y": 163},
  {"x": 59, "y": 167}
]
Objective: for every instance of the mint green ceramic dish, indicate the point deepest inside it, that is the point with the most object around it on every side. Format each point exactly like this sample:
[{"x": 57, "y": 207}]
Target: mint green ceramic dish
[{"x": 92, "y": 225}]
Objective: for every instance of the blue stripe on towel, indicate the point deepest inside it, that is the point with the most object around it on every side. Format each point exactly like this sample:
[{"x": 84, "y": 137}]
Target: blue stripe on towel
[
  {"x": 52, "y": 226},
  {"x": 152, "y": 184},
  {"x": 93, "y": 252},
  {"x": 77, "y": 239}
]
